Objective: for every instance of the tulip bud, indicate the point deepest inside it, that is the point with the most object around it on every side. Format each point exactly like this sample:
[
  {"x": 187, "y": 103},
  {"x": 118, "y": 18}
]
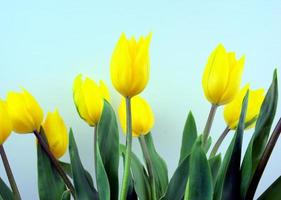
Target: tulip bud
[
  {"x": 56, "y": 133},
  {"x": 233, "y": 109},
  {"x": 130, "y": 65},
  {"x": 26, "y": 114},
  {"x": 222, "y": 76},
  {"x": 5, "y": 122},
  {"x": 142, "y": 116},
  {"x": 89, "y": 98}
]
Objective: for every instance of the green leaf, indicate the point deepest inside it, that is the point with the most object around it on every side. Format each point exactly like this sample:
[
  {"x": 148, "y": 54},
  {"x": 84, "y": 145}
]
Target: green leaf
[
  {"x": 48, "y": 177},
  {"x": 189, "y": 136},
  {"x": 83, "y": 187},
  {"x": 67, "y": 168},
  {"x": 5, "y": 191},
  {"x": 228, "y": 182},
  {"x": 273, "y": 192},
  {"x": 66, "y": 195},
  {"x": 159, "y": 167},
  {"x": 108, "y": 138},
  {"x": 177, "y": 184},
  {"x": 138, "y": 175},
  {"x": 200, "y": 186},
  {"x": 215, "y": 163},
  {"x": 259, "y": 139}
]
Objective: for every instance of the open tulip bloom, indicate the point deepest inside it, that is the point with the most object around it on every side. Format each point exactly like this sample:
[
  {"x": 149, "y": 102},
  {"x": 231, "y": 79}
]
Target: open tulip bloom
[{"x": 202, "y": 173}]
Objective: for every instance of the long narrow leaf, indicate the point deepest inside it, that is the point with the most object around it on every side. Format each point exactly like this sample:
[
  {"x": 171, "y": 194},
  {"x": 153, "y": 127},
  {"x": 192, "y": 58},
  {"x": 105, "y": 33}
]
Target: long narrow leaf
[
  {"x": 5, "y": 192},
  {"x": 273, "y": 192},
  {"x": 200, "y": 186},
  {"x": 188, "y": 137},
  {"x": 48, "y": 176},
  {"x": 108, "y": 139},
  {"x": 228, "y": 183},
  {"x": 259, "y": 139},
  {"x": 83, "y": 188},
  {"x": 159, "y": 167}
]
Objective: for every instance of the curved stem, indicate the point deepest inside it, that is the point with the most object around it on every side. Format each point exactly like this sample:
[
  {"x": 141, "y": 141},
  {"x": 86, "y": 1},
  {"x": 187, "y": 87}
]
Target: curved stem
[
  {"x": 209, "y": 123},
  {"x": 149, "y": 165},
  {"x": 9, "y": 173},
  {"x": 55, "y": 162},
  {"x": 126, "y": 173},
  {"x": 219, "y": 141},
  {"x": 263, "y": 162}
]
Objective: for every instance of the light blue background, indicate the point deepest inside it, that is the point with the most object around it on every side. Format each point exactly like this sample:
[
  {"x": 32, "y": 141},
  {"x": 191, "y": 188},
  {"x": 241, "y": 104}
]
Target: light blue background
[{"x": 45, "y": 44}]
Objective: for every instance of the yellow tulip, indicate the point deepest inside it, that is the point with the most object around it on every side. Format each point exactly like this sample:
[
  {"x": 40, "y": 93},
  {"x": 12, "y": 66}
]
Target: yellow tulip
[
  {"x": 222, "y": 76},
  {"x": 233, "y": 109},
  {"x": 89, "y": 99},
  {"x": 26, "y": 114},
  {"x": 130, "y": 65},
  {"x": 56, "y": 133},
  {"x": 142, "y": 116},
  {"x": 5, "y": 122}
]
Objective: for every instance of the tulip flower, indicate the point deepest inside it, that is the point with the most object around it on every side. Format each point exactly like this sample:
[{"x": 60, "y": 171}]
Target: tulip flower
[
  {"x": 142, "y": 116},
  {"x": 5, "y": 122},
  {"x": 221, "y": 81},
  {"x": 222, "y": 76},
  {"x": 26, "y": 114},
  {"x": 89, "y": 98},
  {"x": 232, "y": 110},
  {"x": 56, "y": 133},
  {"x": 130, "y": 65}
]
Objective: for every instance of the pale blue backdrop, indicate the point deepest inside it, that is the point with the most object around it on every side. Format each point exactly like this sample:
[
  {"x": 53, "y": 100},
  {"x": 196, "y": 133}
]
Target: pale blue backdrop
[{"x": 45, "y": 44}]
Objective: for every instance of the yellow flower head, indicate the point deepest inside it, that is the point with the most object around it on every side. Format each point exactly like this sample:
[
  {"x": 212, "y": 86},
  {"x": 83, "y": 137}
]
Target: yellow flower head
[
  {"x": 26, "y": 114},
  {"x": 142, "y": 116},
  {"x": 222, "y": 76},
  {"x": 56, "y": 133},
  {"x": 130, "y": 65},
  {"x": 89, "y": 98},
  {"x": 5, "y": 122},
  {"x": 233, "y": 109}
]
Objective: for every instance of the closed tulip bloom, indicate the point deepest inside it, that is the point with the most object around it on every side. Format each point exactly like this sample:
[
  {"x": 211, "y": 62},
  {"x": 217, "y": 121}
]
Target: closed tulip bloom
[
  {"x": 142, "y": 116},
  {"x": 56, "y": 133},
  {"x": 26, "y": 114},
  {"x": 233, "y": 109},
  {"x": 222, "y": 76},
  {"x": 89, "y": 99},
  {"x": 5, "y": 122},
  {"x": 130, "y": 65}
]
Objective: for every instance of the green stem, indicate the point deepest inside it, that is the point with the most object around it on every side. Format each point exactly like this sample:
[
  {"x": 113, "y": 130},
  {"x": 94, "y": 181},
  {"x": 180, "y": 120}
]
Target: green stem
[
  {"x": 128, "y": 152},
  {"x": 9, "y": 173},
  {"x": 219, "y": 141},
  {"x": 209, "y": 123},
  {"x": 149, "y": 165},
  {"x": 263, "y": 162},
  {"x": 55, "y": 162},
  {"x": 95, "y": 151}
]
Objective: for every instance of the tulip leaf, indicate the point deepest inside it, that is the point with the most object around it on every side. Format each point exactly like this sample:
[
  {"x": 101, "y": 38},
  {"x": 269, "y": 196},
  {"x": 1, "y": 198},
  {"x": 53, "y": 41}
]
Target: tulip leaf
[
  {"x": 177, "y": 184},
  {"x": 108, "y": 139},
  {"x": 188, "y": 137},
  {"x": 48, "y": 177},
  {"x": 5, "y": 191},
  {"x": 138, "y": 175},
  {"x": 259, "y": 139},
  {"x": 273, "y": 192},
  {"x": 66, "y": 195},
  {"x": 200, "y": 186},
  {"x": 228, "y": 181},
  {"x": 159, "y": 167},
  {"x": 67, "y": 168},
  {"x": 215, "y": 163},
  {"x": 83, "y": 187}
]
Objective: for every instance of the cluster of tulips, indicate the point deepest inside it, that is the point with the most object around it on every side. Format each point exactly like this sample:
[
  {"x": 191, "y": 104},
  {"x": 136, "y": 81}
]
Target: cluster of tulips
[{"x": 201, "y": 174}]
